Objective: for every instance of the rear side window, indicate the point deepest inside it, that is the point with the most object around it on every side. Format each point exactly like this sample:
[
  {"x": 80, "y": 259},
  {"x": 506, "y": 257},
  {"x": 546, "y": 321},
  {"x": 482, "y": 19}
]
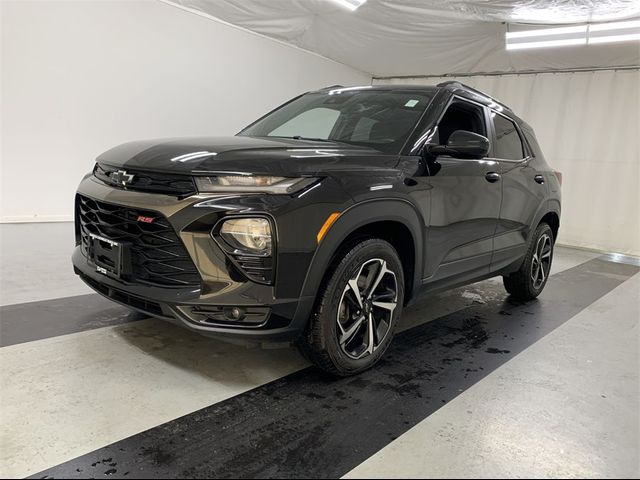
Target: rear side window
[{"x": 508, "y": 142}]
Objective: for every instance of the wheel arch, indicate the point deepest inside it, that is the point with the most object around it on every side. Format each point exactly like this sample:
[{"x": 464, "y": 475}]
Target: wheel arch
[
  {"x": 549, "y": 212},
  {"x": 393, "y": 232},
  {"x": 552, "y": 218},
  {"x": 394, "y": 220}
]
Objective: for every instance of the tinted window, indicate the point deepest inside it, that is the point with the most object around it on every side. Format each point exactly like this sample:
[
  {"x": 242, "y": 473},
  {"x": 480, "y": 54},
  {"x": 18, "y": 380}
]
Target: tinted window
[
  {"x": 382, "y": 119},
  {"x": 533, "y": 142},
  {"x": 508, "y": 143},
  {"x": 461, "y": 115}
]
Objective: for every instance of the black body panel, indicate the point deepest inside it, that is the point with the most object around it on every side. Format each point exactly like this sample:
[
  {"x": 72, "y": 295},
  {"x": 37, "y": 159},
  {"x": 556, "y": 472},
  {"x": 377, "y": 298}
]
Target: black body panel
[{"x": 270, "y": 156}]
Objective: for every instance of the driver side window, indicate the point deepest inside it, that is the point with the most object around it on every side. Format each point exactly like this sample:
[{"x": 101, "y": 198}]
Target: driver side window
[{"x": 461, "y": 115}]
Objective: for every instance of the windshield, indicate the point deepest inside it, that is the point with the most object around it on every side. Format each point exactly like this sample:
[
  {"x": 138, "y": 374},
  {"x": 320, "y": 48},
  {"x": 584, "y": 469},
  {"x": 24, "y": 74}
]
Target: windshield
[{"x": 381, "y": 119}]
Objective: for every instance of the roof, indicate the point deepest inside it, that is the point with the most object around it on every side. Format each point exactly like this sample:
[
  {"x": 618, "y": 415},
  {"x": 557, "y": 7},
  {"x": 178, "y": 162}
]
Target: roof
[
  {"x": 453, "y": 86},
  {"x": 477, "y": 95},
  {"x": 414, "y": 88}
]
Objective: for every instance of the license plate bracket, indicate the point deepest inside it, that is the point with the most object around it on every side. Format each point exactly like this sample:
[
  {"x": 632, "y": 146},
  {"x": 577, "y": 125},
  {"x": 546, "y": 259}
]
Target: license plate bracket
[{"x": 109, "y": 257}]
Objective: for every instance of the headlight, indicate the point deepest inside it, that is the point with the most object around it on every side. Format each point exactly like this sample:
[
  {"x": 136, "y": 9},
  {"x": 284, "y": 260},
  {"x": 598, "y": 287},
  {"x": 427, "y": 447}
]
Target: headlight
[
  {"x": 252, "y": 235},
  {"x": 252, "y": 184}
]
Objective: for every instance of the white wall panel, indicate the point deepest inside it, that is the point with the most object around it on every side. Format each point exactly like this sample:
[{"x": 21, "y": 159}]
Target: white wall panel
[
  {"x": 588, "y": 125},
  {"x": 80, "y": 77}
]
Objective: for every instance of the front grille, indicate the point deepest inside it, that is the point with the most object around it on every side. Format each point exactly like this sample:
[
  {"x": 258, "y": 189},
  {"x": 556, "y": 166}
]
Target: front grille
[
  {"x": 153, "y": 182},
  {"x": 157, "y": 255}
]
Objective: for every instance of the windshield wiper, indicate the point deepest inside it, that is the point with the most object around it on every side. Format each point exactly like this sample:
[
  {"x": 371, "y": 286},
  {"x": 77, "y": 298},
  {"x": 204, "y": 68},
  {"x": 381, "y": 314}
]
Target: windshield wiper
[{"x": 300, "y": 137}]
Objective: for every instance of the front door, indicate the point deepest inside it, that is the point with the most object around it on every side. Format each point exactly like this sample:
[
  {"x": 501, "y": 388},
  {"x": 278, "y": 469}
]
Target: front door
[{"x": 465, "y": 203}]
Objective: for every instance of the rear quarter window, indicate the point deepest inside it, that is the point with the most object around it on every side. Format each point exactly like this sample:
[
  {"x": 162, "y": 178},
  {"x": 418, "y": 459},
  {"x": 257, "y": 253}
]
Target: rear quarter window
[
  {"x": 533, "y": 142},
  {"x": 508, "y": 142}
]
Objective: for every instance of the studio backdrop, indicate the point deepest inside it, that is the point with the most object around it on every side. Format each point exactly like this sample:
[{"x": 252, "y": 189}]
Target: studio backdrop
[
  {"x": 588, "y": 125},
  {"x": 78, "y": 78}
]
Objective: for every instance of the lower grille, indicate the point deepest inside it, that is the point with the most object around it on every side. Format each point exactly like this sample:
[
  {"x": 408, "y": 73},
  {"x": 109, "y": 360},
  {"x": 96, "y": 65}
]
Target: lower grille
[
  {"x": 158, "y": 257},
  {"x": 250, "y": 317},
  {"x": 142, "y": 304}
]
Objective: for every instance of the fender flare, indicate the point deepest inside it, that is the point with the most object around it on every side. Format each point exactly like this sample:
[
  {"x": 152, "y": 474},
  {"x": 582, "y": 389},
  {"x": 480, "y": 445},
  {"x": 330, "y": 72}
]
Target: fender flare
[
  {"x": 553, "y": 206},
  {"x": 350, "y": 220},
  {"x": 550, "y": 206}
]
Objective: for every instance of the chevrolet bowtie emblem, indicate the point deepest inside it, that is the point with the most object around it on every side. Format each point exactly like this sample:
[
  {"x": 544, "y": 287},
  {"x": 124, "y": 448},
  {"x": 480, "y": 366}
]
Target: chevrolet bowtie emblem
[{"x": 121, "y": 177}]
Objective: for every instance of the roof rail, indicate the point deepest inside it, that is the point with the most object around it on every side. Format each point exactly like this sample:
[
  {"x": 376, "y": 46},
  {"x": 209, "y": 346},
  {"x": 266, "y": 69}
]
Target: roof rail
[
  {"x": 332, "y": 86},
  {"x": 460, "y": 85}
]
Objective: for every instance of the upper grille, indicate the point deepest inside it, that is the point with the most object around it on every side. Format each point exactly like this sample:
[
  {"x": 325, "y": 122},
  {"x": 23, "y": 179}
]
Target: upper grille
[
  {"x": 167, "y": 183},
  {"x": 157, "y": 255}
]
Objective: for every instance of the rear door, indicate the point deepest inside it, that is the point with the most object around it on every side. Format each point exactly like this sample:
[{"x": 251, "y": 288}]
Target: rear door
[
  {"x": 524, "y": 190},
  {"x": 465, "y": 202}
]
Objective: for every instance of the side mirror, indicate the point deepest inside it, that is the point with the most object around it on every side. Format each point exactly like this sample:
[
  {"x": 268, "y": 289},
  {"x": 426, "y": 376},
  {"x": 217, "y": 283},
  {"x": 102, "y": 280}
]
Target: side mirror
[{"x": 462, "y": 144}]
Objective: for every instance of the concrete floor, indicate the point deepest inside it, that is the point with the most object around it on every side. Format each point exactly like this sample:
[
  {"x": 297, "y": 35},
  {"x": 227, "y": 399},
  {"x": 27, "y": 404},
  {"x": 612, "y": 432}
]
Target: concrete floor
[
  {"x": 36, "y": 266},
  {"x": 560, "y": 399},
  {"x": 565, "y": 407}
]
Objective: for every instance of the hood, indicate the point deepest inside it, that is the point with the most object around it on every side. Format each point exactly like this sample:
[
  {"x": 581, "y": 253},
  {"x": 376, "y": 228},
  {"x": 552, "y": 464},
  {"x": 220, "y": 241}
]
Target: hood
[{"x": 265, "y": 156}]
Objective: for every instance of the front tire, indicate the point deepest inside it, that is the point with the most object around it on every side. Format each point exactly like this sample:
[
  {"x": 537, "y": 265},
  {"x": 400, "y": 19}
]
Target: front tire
[
  {"x": 357, "y": 310},
  {"x": 529, "y": 281}
]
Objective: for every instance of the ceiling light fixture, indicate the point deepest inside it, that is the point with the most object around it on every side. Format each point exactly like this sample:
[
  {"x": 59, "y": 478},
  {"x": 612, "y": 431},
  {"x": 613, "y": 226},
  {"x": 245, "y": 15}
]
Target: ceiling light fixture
[
  {"x": 350, "y": 4},
  {"x": 546, "y": 37},
  {"x": 576, "y": 35},
  {"x": 614, "y": 32}
]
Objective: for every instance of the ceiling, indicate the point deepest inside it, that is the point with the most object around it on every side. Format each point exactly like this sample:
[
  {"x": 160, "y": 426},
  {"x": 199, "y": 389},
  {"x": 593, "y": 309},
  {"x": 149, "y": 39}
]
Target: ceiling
[{"x": 429, "y": 37}]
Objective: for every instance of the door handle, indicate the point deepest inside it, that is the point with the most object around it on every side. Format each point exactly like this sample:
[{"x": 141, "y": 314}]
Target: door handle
[
  {"x": 539, "y": 179},
  {"x": 492, "y": 177}
]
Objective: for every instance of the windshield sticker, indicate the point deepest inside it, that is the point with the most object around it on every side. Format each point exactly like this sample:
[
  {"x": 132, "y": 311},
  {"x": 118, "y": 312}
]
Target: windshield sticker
[{"x": 412, "y": 103}]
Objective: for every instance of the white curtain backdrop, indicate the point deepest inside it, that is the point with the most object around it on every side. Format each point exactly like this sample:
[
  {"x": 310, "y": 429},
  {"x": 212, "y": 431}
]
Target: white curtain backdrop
[
  {"x": 429, "y": 37},
  {"x": 588, "y": 125}
]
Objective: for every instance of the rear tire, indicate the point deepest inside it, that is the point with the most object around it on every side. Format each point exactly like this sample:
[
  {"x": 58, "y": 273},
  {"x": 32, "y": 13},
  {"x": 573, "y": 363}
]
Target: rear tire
[
  {"x": 357, "y": 310},
  {"x": 529, "y": 281}
]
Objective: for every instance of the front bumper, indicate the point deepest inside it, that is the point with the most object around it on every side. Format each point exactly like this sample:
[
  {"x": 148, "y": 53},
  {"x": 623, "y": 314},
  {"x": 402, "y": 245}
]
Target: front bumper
[{"x": 277, "y": 314}]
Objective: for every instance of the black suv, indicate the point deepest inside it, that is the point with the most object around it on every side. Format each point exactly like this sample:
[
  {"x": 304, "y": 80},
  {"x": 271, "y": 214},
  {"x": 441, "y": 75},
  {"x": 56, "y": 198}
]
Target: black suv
[{"x": 321, "y": 220}]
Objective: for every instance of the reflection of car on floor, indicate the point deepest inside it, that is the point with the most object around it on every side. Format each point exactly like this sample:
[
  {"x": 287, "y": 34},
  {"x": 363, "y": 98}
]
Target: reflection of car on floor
[{"x": 321, "y": 220}]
